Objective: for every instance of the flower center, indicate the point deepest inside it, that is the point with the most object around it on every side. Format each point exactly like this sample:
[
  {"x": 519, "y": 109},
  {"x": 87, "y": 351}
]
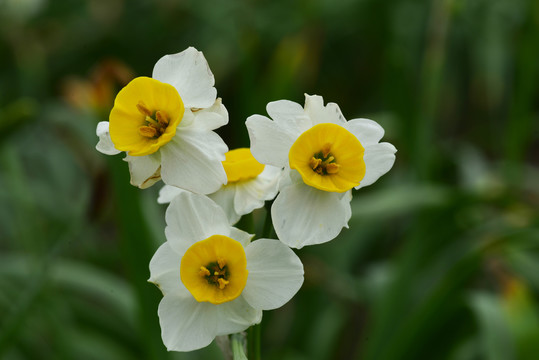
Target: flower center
[
  {"x": 155, "y": 123},
  {"x": 216, "y": 273},
  {"x": 323, "y": 162},
  {"x": 328, "y": 157},
  {"x": 145, "y": 116},
  {"x": 241, "y": 165},
  {"x": 215, "y": 269}
]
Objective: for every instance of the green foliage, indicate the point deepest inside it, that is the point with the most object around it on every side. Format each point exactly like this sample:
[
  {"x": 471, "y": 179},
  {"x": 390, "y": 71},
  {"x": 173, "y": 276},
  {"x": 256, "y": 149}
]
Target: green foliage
[{"x": 441, "y": 260}]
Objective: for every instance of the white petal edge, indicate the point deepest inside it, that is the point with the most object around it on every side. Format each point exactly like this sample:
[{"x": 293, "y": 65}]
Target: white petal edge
[
  {"x": 303, "y": 215},
  {"x": 289, "y": 115},
  {"x": 144, "y": 170},
  {"x": 368, "y": 132},
  {"x": 211, "y": 118},
  {"x": 224, "y": 197},
  {"x": 191, "y": 218},
  {"x": 252, "y": 194},
  {"x": 379, "y": 159},
  {"x": 165, "y": 271},
  {"x": 244, "y": 238},
  {"x": 186, "y": 324},
  {"x": 192, "y": 160},
  {"x": 318, "y": 113},
  {"x": 270, "y": 143},
  {"x": 189, "y": 73},
  {"x": 275, "y": 274},
  {"x": 236, "y": 316},
  {"x": 167, "y": 193},
  {"x": 105, "y": 145}
]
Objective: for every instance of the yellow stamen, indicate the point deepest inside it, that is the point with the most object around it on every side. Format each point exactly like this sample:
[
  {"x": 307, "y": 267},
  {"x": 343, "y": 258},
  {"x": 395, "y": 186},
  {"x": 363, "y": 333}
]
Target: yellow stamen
[
  {"x": 314, "y": 163},
  {"x": 204, "y": 271},
  {"x": 161, "y": 118},
  {"x": 326, "y": 149},
  {"x": 143, "y": 109},
  {"x": 332, "y": 168},
  {"x": 221, "y": 262},
  {"x": 151, "y": 121},
  {"x": 147, "y": 131},
  {"x": 223, "y": 283}
]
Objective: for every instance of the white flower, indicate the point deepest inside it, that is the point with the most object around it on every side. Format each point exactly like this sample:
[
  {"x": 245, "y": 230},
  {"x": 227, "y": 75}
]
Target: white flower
[
  {"x": 324, "y": 157},
  {"x": 165, "y": 125},
  {"x": 214, "y": 280},
  {"x": 249, "y": 185}
]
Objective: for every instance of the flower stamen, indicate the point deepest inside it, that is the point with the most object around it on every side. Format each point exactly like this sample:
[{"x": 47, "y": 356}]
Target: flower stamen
[
  {"x": 323, "y": 162},
  {"x": 326, "y": 149},
  {"x": 204, "y": 271},
  {"x": 222, "y": 283},
  {"x": 143, "y": 109},
  {"x": 161, "y": 118},
  {"x": 216, "y": 273},
  {"x": 147, "y": 131},
  {"x": 156, "y": 122}
]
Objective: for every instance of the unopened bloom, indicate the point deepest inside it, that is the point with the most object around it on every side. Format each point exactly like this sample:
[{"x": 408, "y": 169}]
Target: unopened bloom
[
  {"x": 214, "y": 280},
  {"x": 165, "y": 125},
  {"x": 249, "y": 184},
  {"x": 324, "y": 157}
]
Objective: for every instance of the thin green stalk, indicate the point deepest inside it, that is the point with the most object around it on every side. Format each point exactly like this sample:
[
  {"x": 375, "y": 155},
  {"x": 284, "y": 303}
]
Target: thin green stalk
[
  {"x": 238, "y": 343},
  {"x": 253, "y": 342}
]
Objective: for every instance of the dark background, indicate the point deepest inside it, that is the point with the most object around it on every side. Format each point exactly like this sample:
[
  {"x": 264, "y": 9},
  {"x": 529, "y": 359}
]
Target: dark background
[{"x": 441, "y": 260}]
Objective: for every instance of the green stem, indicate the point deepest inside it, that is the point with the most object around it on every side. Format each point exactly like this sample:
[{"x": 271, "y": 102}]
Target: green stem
[
  {"x": 253, "y": 345},
  {"x": 238, "y": 344}
]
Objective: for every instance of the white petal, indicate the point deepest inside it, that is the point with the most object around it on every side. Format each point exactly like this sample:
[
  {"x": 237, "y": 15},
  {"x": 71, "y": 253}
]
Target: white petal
[
  {"x": 186, "y": 324},
  {"x": 275, "y": 274},
  {"x": 167, "y": 193},
  {"x": 144, "y": 170},
  {"x": 211, "y": 118},
  {"x": 270, "y": 143},
  {"x": 289, "y": 177},
  {"x": 165, "y": 271},
  {"x": 379, "y": 159},
  {"x": 244, "y": 238},
  {"x": 289, "y": 116},
  {"x": 105, "y": 145},
  {"x": 251, "y": 194},
  {"x": 314, "y": 107},
  {"x": 224, "y": 197},
  {"x": 192, "y": 160},
  {"x": 368, "y": 132},
  {"x": 189, "y": 73},
  {"x": 236, "y": 316},
  {"x": 303, "y": 215},
  {"x": 191, "y": 218}
]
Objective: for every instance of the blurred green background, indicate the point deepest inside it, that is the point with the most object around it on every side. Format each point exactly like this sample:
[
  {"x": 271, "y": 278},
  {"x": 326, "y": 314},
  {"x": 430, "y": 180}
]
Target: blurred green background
[{"x": 441, "y": 260}]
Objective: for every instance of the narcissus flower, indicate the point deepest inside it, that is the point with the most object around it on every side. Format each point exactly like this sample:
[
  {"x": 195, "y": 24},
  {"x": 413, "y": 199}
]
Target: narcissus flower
[
  {"x": 165, "y": 125},
  {"x": 214, "y": 280},
  {"x": 324, "y": 157},
  {"x": 250, "y": 183}
]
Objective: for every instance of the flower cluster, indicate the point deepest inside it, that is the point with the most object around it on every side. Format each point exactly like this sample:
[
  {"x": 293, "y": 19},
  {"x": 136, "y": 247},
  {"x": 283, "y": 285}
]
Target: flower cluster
[{"x": 215, "y": 280}]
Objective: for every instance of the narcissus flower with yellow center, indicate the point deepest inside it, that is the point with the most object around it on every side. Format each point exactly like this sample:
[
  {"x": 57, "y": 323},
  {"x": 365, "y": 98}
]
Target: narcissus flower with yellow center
[
  {"x": 250, "y": 183},
  {"x": 214, "y": 280},
  {"x": 165, "y": 125},
  {"x": 324, "y": 157}
]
